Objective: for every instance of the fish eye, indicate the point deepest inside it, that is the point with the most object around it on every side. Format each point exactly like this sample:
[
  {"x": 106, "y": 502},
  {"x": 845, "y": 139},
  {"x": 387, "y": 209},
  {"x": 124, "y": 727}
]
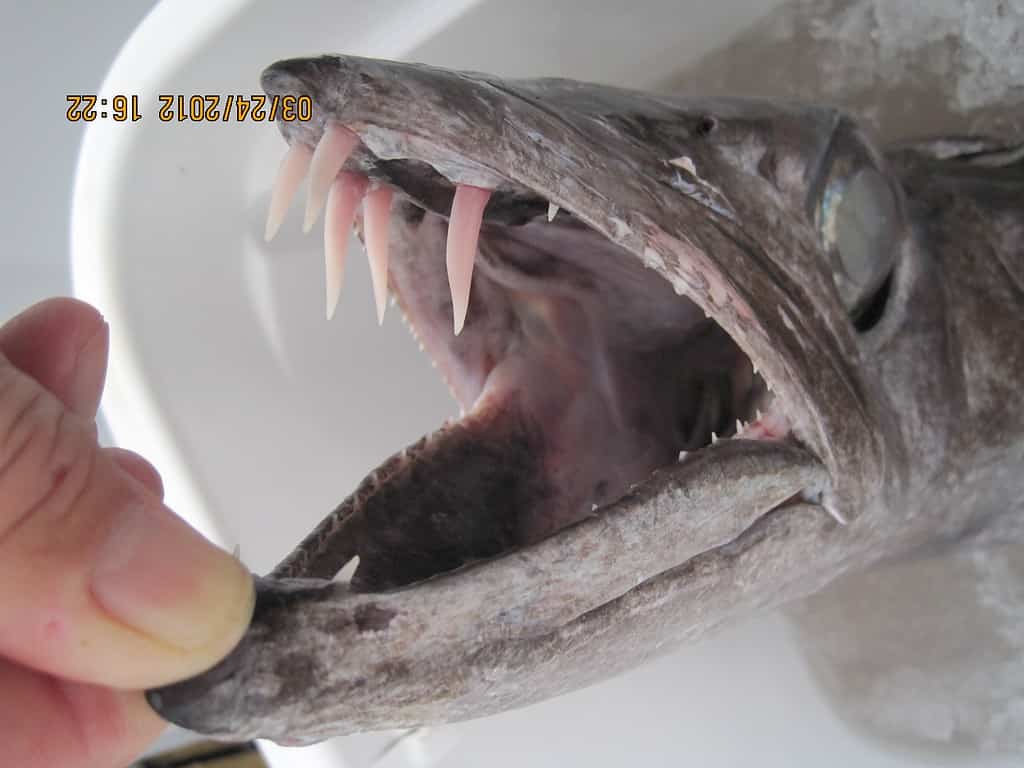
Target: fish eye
[
  {"x": 860, "y": 228},
  {"x": 860, "y": 223}
]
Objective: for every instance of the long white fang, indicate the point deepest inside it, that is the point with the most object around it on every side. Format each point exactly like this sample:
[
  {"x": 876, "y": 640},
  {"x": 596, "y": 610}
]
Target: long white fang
[
  {"x": 376, "y": 221},
  {"x": 290, "y": 174},
  {"x": 331, "y": 153},
  {"x": 739, "y": 426},
  {"x": 463, "y": 234},
  {"x": 757, "y": 414},
  {"x": 342, "y": 200},
  {"x": 714, "y": 438},
  {"x": 552, "y": 211}
]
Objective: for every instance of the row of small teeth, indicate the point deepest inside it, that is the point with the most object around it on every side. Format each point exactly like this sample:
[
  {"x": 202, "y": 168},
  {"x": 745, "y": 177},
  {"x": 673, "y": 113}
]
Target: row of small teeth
[
  {"x": 771, "y": 426},
  {"x": 341, "y": 192}
]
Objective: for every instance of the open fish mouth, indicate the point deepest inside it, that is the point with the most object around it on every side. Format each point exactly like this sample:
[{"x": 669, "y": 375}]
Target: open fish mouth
[
  {"x": 621, "y": 292},
  {"x": 579, "y": 369}
]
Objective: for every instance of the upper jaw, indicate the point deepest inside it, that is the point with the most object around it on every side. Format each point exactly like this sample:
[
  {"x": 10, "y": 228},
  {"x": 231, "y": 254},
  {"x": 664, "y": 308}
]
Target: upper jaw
[{"x": 731, "y": 241}]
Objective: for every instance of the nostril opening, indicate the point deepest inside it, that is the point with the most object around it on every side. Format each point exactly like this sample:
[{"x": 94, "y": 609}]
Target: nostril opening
[{"x": 706, "y": 126}]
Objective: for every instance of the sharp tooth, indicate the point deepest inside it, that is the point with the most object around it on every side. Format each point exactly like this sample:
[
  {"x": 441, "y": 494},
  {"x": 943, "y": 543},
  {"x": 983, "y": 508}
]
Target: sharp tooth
[
  {"x": 331, "y": 153},
  {"x": 290, "y": 174},
  {"x": 714, "y": 438},
  {"x": 755, "y": 369},
  {"x": 342, "y": 201},
  {"x": 463, "y": 234},
  {"x": 739, "y": 426},
  {"x": 757, "y": 414},
  {"x": 552, "y": 211},
  {"x": 376, "y": 220},
  {"x": 685, "y": 163},
  {"x": 835, "y": 513}
]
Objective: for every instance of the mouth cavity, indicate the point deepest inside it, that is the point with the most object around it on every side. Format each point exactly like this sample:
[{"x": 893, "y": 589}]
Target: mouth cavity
[{"x": 580, "y": 371}]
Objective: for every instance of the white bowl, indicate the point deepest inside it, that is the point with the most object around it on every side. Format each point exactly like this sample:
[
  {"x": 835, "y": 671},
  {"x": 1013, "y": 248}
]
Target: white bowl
[{"x": 261, "y": 415}]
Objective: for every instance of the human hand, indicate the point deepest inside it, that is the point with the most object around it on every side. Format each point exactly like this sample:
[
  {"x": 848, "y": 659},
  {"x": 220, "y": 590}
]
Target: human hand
[{"x": 103, "y": 590}]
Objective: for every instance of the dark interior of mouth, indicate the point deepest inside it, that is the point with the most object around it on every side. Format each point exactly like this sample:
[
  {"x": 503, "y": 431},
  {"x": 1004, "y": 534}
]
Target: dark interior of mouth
[{"x": 579, "y": 371}]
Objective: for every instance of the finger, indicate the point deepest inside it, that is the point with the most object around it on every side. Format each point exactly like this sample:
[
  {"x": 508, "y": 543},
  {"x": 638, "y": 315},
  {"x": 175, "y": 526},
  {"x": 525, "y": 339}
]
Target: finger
[
  {"x": 62, "y": 344},
  {"x": 139, "y": 468},
  {"x": 51, "y": 723},
  {"x": 101, "y": 582}
]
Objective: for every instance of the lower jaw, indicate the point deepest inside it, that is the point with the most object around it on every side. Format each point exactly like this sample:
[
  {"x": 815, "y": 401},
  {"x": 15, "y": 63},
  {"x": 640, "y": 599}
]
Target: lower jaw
[
  {"x": 497, "y": 479},
  {"x": 456, "y": 496}
]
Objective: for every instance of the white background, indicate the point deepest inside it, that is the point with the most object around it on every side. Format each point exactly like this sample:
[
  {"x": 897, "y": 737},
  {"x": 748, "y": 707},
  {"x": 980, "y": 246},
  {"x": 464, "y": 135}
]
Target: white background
[
  {"x": 742, "y": 698},
  {"x": 47, "y": 50}
]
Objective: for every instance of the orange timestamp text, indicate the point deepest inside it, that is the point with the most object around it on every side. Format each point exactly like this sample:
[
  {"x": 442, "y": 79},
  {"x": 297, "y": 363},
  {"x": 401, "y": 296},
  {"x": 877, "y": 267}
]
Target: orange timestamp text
[{"x": 197, "y": 108}]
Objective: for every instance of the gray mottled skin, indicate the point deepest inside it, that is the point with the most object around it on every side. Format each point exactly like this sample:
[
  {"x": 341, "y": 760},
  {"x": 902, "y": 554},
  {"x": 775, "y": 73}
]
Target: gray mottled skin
[{"x": 909, "y": 429}]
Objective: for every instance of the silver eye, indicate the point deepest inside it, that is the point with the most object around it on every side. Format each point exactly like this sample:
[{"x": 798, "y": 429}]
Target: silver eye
[
  {"x": 860, "y": 227},
  {"x": 860, "y": 219}
]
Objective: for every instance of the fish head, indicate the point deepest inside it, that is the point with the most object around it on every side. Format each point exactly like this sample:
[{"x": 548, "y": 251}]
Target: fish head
[{"x": 649, "y": 310}]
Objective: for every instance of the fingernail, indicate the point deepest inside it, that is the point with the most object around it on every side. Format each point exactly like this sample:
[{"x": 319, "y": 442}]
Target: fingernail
[
  {"x": 88, "y": 374},
  {"x": 160, "y": 577}
]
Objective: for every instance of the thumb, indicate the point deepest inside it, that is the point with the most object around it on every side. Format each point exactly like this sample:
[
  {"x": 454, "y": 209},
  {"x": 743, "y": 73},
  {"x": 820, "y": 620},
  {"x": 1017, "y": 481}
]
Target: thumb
[{"x": 100, "y": 581}]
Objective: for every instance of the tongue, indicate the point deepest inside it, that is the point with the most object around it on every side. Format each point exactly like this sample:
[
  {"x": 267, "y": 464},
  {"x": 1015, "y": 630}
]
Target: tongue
[{"x": 315, "y": 649}]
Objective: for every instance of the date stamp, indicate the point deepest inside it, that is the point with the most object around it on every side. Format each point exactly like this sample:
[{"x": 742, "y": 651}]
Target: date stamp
[{"x": 196, "y": 108}]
